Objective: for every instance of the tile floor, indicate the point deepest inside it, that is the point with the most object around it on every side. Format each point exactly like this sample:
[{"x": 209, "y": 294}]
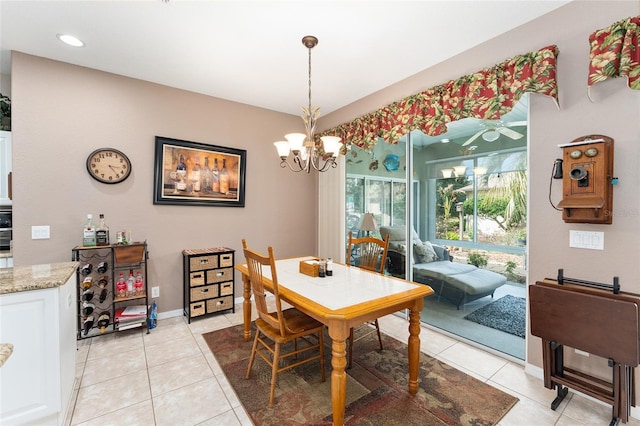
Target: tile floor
[{"x": 169, "y": 377}]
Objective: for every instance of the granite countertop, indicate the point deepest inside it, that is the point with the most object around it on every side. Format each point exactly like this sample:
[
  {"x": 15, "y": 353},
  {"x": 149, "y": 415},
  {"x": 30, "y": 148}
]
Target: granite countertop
[
  {"x": 6, "y": 253},
  {"x": 6, "y": 349},
  {"x": 36, "y": 277}
]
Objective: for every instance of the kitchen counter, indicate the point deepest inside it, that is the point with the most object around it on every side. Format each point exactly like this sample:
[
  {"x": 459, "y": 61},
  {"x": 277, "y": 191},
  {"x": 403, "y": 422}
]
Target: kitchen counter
[
  {"x": 38, "y": 316},
  {"x": 6, "y": 253},
  {"x": 36, "y": 277},
  {"x": 6, "y": 349}
]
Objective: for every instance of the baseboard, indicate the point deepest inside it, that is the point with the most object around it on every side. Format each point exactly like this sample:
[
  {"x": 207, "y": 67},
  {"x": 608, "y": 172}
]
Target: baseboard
[{"x": 538, "y": 373}]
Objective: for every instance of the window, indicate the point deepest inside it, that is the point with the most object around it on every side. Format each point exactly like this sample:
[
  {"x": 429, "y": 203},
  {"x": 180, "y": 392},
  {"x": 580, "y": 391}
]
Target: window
[
  {"x": 481, "y": 201},
  {"x": 386, "y": 198}
]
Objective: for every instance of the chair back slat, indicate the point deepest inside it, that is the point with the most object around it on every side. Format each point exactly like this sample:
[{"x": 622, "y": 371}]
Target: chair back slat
[
  {"x": 371, "y": 252},
  {"x": 255, "y": 264}
]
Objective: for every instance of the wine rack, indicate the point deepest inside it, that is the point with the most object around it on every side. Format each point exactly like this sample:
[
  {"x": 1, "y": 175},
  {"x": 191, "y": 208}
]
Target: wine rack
[{"x": 99, "y": 302}]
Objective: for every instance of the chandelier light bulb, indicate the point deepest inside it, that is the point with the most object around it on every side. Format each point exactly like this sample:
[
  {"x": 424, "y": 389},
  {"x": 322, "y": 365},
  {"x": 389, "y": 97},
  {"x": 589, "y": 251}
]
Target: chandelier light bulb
[{"x": 305, "y": 156}]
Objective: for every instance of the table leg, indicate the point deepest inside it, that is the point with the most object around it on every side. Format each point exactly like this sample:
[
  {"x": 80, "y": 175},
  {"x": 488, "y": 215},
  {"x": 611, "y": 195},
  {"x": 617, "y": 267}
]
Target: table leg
[
  {"x": 246, "y": 307},
  {"x": 414, "y": 345},
  {"x": 338, "y": 336}
]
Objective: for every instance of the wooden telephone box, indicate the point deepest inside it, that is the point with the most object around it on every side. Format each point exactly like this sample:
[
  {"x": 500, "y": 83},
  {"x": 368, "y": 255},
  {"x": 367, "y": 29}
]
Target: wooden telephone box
[{"x": 587, "y": 193}]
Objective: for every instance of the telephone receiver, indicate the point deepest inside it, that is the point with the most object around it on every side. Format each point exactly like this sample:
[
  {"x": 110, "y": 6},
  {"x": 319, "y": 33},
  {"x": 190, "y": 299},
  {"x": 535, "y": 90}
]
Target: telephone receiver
[{"x": 557, "y": 169}]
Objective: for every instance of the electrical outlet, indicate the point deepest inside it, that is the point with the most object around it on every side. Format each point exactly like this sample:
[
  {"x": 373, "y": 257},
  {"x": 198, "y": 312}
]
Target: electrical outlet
[{"x": 155, "y": 291}]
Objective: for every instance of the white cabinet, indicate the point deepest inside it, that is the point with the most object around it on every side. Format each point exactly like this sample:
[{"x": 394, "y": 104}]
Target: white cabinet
[
  {"x": 36, "y": 382},
  {"x": 6, "y": 262},
  {"x": 5, "y": 167}
]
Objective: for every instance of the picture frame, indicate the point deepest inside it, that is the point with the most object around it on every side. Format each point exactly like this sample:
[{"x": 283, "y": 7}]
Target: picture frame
[{"x": 198, "y": 174}]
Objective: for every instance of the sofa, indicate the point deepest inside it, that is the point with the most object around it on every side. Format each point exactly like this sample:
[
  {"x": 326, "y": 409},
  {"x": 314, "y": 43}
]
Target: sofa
[{"x": 433, "y": 265}]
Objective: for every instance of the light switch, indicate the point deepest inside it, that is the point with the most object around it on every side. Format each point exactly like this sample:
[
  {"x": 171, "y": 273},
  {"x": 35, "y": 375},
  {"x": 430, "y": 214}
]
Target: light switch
[
  {"x": 40, "y": 232},
  {"x": 586, "y": 240}
]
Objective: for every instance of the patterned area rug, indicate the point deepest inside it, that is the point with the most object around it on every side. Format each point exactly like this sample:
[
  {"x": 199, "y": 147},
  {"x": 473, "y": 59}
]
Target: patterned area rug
[
  {"x": 376, "y": 387},
  {"x": 506, "y": 314}
]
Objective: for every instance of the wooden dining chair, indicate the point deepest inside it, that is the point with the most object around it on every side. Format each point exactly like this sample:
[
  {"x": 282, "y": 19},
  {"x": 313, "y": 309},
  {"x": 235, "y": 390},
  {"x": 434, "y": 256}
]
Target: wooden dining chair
[
  {"x": 275, "y": 329},
  {"x": 371, "y": 254}
]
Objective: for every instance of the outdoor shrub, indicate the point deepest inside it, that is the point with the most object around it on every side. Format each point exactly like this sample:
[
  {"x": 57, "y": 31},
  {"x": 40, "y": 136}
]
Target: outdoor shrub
[
  {"x": 477, "y": 259},
  {"x": 511, "y": 265}
]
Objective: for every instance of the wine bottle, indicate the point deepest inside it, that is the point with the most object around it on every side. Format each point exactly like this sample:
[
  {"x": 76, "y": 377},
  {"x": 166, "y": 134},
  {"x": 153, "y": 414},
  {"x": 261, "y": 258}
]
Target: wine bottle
[
  {"x": 89, "y": 233},
  {"x": 102, "y": 237},
  {"x": 87, "y": 308},
  {"x": 86, "y": 269},
  {"x": 195, "y": 176},
  {"x": 87, "y": 295},
  {"x": 103, "y": 320},
  {"x": 102, "y": 267},
  {"x": 103, "y": 295},
  {"x": 181, "y": 172},
  {"x": 87, "y": 324},
  {"x": 215, "y": 177},
  {"x": 103, "y": 281},
  {"x": 87, "y": 283},
  {"x": 206, "y": 177},
  {"x": 224, "y": 178}
]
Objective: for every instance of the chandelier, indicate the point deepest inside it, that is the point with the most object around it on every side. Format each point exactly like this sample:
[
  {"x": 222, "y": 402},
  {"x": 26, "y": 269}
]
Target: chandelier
[{"x": 305, "y": 155}]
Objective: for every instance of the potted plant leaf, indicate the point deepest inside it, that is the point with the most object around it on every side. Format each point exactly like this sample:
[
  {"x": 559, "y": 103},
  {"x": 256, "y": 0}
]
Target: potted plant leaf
[{"x": 5, "y": 112}]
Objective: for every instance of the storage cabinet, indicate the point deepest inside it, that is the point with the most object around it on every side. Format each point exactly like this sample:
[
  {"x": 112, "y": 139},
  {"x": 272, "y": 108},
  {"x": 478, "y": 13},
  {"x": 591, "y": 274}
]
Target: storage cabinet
[
  {"x": 208, "y": 281},
  {"x": 36, "y": 382},
  {"x": 98, "y": 293}
]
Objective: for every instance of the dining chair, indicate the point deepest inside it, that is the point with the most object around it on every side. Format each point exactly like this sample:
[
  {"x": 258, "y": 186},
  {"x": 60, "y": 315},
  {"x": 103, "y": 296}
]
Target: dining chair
[
  {"x": 371, "y": 254},
  {"x": 277, "y": 328}
]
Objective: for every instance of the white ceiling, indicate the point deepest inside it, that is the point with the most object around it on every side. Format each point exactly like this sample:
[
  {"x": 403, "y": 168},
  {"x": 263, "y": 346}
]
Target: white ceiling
[{"x": 251, "y": 51}]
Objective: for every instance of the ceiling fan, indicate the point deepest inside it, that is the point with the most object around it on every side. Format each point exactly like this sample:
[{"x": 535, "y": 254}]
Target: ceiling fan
[{"x": 490, "y": 130}]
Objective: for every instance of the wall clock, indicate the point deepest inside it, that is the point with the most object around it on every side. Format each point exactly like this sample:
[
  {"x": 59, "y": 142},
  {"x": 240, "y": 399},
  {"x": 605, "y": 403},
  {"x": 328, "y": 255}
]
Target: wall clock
[{"x": 108, "y": 165}]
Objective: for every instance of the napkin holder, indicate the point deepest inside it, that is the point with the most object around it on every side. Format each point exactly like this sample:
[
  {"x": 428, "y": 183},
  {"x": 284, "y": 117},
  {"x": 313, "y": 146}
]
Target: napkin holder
[{"x": 310, "y": 266}]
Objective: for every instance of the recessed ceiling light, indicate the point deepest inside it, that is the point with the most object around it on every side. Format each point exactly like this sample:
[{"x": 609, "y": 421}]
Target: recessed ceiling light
[{"x": 70, "y": 40}]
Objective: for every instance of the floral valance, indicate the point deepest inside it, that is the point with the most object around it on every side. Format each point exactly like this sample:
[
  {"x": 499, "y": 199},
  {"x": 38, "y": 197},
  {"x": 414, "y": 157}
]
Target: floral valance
[
  {"x": 615, "y": 51},
  {"x": 486, "y": 94}
]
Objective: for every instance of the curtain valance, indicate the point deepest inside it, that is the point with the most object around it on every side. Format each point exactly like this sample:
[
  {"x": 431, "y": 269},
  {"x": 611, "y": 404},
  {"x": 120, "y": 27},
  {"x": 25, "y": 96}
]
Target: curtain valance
[
  {"x": 615, "y": 51},
  {"x": 486, "y": 94}
]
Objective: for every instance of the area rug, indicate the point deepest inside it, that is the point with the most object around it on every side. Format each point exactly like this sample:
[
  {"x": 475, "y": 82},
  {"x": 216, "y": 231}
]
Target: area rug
[
  {"x": 376, "y": 387},
  {"x": 506, "y": 314}
]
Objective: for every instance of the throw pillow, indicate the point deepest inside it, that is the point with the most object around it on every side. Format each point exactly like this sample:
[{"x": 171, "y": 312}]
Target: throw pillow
[{"x": 424, "y": 252}]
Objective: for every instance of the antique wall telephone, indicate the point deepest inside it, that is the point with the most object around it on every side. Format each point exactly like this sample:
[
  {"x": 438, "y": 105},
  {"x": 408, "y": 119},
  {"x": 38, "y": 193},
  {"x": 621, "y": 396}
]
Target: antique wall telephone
[{"x": 586, "y": 170}]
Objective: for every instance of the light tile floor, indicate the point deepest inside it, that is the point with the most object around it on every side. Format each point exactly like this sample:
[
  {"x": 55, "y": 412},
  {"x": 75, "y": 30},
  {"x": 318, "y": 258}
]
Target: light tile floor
[{"x": 169, "y": 377}]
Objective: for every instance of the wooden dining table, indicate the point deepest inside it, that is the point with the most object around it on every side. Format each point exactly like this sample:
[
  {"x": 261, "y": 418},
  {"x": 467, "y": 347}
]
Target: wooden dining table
[{"x": 350, "y": 297}]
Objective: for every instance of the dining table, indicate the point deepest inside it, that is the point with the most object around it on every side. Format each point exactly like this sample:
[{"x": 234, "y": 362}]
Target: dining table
[{"x": 349, "y": 297}]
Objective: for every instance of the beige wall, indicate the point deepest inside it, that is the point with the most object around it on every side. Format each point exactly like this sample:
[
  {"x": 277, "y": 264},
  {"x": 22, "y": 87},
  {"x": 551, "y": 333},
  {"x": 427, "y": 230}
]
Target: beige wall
[
  {"x": 614, "y": 113},
  {"x": 61, "y": 113}
]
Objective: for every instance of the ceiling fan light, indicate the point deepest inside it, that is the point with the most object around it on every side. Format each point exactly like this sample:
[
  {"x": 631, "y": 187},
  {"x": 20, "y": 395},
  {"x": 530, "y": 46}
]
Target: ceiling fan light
[
  {"x": 460, "y": 170},
  {"x": 490, "y": 136},
  {"x": 446, "y": 173}
]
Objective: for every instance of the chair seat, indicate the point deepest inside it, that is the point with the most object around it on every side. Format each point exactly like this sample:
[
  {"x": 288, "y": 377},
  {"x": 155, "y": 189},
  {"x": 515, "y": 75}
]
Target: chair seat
[{"x": 299, "y": 323}]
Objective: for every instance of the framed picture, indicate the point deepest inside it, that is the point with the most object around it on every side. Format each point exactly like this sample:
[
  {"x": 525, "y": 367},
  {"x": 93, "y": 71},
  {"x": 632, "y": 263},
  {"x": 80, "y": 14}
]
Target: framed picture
[{"x": 193, "y": 173}]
